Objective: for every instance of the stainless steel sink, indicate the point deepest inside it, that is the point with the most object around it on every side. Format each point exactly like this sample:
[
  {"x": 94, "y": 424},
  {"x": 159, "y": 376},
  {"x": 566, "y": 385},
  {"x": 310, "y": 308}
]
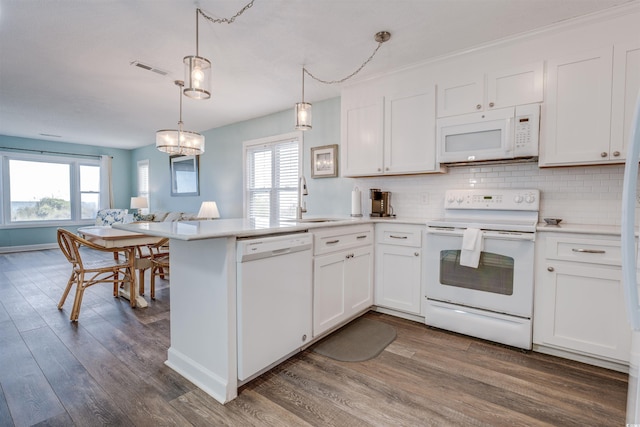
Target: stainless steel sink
[{"x": 318, "y": 219}]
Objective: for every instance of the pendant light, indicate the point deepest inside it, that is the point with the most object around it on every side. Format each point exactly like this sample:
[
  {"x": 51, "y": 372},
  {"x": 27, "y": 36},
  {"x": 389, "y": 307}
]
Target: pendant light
[
  {"x": 303, "y": 111},
  {"x": 197, "y": 72},
  {"x": 179, "y": 141}
]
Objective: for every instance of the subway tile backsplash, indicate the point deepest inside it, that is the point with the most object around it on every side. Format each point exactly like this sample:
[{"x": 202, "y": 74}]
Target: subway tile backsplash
[{"x": 580, "y": 194}]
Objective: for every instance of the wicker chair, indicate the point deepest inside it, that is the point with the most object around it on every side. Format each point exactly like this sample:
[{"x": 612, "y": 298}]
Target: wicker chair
[
  {"x": 159, "y": 267},
  {"x": 144, "y": 260},
  {"x": 87, "y": 273}
]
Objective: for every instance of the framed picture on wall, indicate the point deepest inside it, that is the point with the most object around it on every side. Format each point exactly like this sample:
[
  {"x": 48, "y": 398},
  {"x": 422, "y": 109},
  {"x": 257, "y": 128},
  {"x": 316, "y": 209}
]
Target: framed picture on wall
[
  {"x": 184, "y": 175},
  {"x": 324, "y": 161}
]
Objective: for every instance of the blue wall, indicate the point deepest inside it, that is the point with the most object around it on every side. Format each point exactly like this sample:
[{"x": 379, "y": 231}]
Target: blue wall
[
  {"x": 121, "y": 166},
  {"x": 220, "y": 170},
  {"x": 221, "y": 165}
]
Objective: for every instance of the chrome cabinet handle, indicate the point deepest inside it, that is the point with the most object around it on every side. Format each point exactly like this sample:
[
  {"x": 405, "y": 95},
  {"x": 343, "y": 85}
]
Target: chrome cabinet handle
[
  {"x": 397, "y": 237},
  {"x": 364, "y": 236},
  {"x": 333, "y": 242},
  {"x": 616, "y": 153},
  {"x": 491, "y": 104},
  {"x": 603, "y": 154},
  {"x": 590, "y": 251},
  {"x": 550, "y": 269},
  {"x": 479, "y": 106},
  {"x": 416, "y": 254}
]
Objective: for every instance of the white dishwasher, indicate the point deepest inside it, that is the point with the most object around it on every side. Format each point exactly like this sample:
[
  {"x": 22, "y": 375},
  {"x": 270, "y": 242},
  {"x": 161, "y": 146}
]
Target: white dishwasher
[{"x": 274, "y": 299}]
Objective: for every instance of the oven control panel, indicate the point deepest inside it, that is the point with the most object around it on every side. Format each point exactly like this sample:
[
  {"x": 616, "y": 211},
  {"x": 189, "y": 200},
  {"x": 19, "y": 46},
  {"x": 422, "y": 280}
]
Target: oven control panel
[{"x": 498, "y": 199}]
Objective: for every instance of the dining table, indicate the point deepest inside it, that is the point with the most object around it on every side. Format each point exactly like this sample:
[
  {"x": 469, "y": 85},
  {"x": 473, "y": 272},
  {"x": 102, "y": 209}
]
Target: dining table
[{"x": 128, "y": 241}]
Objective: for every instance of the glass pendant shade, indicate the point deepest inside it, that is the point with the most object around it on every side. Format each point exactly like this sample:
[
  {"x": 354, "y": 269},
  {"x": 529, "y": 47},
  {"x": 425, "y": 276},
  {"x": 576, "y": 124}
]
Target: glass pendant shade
[
  {"x": 197, "y": 77},
  {"x": 303, "y": 116},
  {"x": 179, "y": 142}
]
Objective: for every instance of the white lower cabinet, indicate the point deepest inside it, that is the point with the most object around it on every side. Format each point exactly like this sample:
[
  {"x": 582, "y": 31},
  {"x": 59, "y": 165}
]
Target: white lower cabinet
[
  {"x": 398, "y": 267},
  {"x": 342, "y": 274},
  {"x": 579, "y": 301}
]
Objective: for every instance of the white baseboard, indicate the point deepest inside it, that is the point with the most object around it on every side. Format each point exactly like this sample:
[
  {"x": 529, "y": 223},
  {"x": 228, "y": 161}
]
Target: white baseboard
[{"x": 25, "y": 248}]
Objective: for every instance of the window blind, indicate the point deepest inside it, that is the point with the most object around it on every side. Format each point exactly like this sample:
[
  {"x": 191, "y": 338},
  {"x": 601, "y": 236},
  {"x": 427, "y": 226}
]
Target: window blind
[{"x": 272, "y": 180}]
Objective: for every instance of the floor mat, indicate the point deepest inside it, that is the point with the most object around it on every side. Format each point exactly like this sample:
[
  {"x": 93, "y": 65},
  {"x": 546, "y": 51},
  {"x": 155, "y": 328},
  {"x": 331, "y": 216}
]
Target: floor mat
[{"x": 360, "y": 340}]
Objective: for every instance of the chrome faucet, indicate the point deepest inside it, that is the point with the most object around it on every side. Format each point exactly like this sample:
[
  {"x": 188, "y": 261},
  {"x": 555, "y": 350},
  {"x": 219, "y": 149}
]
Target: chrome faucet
[{"x": 302, "y": 191}]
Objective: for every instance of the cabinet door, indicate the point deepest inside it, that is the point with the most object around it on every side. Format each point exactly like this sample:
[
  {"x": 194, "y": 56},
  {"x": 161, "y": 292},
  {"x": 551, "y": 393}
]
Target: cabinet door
[
  {"x": 410, "y": 132},
  {"x": 584, "y": 310},
  {"x": 577, "y": 117},
  {"x": 398, "y": 278},
  {"x": 362, "y": 138},
  {"x": 359, "y": 280},
  {"x": 515, "y": 86},
  {"x": 328, "y": 291},
  {"x": 626, "y": 86},
  {"x": 461, "y": 96}
]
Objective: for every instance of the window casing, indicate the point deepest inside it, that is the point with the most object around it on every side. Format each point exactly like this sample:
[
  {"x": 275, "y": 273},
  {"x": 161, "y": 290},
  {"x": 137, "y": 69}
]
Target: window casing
[
  {"x": 143, "y": 182},
  {"x": 41, "y": 190},
  {"x": 272, "y": 169}
]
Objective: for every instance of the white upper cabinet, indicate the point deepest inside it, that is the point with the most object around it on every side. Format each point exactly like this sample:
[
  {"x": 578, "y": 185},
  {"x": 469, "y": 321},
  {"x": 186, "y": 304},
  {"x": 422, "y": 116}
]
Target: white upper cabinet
[
  {"x": 410, "y": 130},
  {"x": 626, "y": 86},
  {"x": 497, "y": 89},
  {"x": 362, "y": 135},
  {"x": 577, "y": 114},
  {"x": 590, "y": 103},
  {"x": 388, "y": 128},
  {"x": 461, "y": 96}
]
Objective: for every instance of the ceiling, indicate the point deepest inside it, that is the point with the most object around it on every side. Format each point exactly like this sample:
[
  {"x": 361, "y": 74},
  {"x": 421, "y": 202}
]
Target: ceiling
[{"x": 65, "y": 65}]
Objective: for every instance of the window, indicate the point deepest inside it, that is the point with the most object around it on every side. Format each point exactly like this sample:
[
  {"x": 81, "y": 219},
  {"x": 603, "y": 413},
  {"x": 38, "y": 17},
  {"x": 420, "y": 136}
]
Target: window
[
  {"x": 272, "y": 168},
  {"x": 39, "y": 189},
  {"x": 143, "y": 181}
]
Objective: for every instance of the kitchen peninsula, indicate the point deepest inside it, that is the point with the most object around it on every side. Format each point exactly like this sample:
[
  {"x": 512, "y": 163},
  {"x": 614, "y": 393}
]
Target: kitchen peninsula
[{"x": 204, "y": 329}]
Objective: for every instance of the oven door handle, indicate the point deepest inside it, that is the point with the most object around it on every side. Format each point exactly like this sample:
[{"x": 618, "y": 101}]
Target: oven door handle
[{"x": 486, "y": 234}]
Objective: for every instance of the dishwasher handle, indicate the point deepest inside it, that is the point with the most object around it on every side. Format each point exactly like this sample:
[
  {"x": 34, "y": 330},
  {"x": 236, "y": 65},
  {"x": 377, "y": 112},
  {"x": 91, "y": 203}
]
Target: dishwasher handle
[{"x": 254, "y": 249}]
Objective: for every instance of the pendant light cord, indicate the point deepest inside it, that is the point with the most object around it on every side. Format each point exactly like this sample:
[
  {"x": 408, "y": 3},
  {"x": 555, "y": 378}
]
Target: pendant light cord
[{"x": 380, "y": 37}]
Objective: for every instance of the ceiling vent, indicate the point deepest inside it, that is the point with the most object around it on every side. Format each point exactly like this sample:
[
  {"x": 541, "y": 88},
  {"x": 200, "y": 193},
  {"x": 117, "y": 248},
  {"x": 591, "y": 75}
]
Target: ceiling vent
[{"x": 149, "y": 68}]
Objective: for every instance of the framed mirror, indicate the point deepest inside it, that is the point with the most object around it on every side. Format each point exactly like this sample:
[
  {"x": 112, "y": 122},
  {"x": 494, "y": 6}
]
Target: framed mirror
[{"x": 184, "y": 176}]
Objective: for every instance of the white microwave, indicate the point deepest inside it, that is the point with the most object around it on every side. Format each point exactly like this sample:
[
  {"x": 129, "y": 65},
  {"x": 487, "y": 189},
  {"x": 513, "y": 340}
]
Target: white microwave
[{"x": 503, "y": 134}]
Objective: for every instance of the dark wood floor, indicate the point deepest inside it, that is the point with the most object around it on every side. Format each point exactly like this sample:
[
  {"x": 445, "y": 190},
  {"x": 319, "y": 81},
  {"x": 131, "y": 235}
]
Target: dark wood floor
[{"x": 108, "y": 369}]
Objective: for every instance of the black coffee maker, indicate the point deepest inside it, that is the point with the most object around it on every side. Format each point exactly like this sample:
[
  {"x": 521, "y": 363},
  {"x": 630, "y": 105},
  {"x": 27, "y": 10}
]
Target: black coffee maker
[{"x": 380, "y": 203}]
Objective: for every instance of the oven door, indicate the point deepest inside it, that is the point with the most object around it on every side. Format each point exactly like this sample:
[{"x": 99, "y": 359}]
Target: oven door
[{"x": 503, "y": 281}]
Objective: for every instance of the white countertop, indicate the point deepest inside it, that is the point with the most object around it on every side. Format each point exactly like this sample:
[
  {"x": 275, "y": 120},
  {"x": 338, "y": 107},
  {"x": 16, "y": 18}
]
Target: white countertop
[
  {"x": 240, "y": 227},
  {"x": 613, "y": 230}
]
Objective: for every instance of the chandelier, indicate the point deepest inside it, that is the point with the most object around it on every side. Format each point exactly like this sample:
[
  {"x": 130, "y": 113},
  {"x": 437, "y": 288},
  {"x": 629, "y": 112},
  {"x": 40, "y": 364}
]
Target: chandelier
[{"x": 179, "y": 141}]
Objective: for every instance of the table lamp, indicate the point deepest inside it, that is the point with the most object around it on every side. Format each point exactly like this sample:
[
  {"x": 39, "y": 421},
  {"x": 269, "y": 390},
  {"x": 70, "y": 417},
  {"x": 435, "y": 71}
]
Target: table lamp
[
  {"x": 139, "y": 203},
  {"x": 208, "y": 210}
]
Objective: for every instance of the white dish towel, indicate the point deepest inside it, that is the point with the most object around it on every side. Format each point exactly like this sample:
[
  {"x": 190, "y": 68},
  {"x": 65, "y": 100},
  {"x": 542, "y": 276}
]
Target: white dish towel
[{"x": 471, "y": 247}]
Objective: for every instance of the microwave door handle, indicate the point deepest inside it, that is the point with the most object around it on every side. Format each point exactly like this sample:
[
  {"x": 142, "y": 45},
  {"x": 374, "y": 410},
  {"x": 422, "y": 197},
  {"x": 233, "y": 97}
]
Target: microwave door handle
[{"x": 511, "y": 136}]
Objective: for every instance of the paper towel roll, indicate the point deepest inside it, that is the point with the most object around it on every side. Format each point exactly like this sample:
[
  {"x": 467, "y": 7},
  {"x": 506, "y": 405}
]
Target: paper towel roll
[{"x": 356, "y": 202}]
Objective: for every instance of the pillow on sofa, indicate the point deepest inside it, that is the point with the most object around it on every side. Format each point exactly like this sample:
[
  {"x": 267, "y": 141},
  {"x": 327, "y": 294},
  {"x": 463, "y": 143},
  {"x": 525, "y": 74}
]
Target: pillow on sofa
[
  {"x": 160, "y": 215},
  {"x": 173, "y": 216},
  {"x": 190, "y": 217},
  {"x": 110, "y": 216},
  {"x": 140, "y": 217}
]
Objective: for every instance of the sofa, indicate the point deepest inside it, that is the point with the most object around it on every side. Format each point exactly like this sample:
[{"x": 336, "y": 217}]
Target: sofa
[{"x": 165, "y": 216}]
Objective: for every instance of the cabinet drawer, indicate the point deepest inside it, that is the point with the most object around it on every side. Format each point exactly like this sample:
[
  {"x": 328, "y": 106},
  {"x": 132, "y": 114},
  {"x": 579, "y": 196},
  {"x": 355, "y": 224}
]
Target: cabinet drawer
[
  {"x": 399, "y": 234},
  {"x": 338, "y": 238},
  {"x": 591, "y": 251}
]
